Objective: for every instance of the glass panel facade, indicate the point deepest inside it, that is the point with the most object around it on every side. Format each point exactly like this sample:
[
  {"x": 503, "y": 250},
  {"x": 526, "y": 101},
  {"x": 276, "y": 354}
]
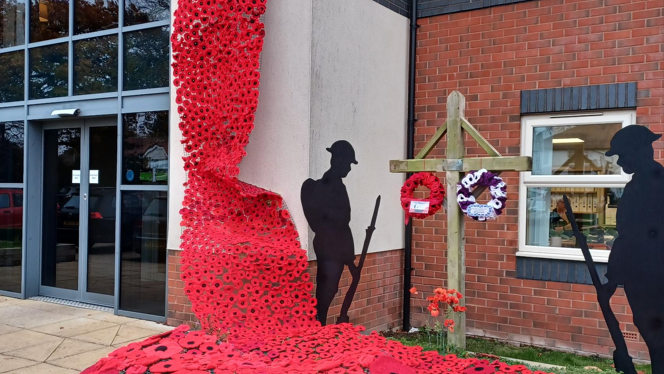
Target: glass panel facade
[
  {"x": 48, "y": 71},
  {"x": 49, "y": 19},
  {"x": 574, "y": 150},
  {"x": 95, "y": 15},
  {"x": 96, "y": 65},
  {"x": 101, "y": 211},
  {"x": 547, "y": 224},
  {"x": 145, "y": 148},
  {"x": 12, "y": 71},
  {"x": 146, "y": 59},
  {"x": 144, "y": 11},
  {"x": 143, "y": 247},
  {"x": 11, "y": 238},
  {"x": 12, "y": 23},
  {"x": 61, "y": 204},
  {"x": 11, "y": 152}
]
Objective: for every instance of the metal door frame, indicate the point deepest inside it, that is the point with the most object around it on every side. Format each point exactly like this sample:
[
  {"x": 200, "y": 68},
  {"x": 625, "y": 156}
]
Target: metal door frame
[{"x": 81, "y": 294}]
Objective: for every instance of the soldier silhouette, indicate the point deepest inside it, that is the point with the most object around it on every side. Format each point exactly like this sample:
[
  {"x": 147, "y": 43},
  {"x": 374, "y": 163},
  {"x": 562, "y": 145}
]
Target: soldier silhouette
[
  {"x": 327, "y": 209},
  {"x": 636, "y": 260}
]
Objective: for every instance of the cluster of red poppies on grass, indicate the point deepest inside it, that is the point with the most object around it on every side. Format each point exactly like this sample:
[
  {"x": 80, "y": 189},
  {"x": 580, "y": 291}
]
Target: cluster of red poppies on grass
[{"x": 242, "y": 263}]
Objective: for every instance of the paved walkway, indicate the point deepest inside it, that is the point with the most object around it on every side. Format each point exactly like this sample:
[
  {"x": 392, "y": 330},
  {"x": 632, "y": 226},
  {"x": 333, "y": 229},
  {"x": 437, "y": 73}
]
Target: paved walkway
[{"x": 44, "y": 338}]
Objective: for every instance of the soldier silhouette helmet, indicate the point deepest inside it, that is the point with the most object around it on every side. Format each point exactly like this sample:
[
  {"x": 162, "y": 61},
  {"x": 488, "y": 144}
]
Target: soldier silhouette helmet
[
  {"x": 631, "y": 139},
  {"x": 344, "y": 151}
]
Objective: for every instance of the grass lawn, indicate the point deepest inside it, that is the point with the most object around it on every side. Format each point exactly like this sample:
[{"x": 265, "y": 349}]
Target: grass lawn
[{"x": 572, "y": 362}]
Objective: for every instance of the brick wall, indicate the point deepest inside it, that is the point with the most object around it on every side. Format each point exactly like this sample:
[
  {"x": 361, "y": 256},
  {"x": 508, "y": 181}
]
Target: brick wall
[
  {"x": 490, "y": 55},
  {"x": 377, "y": 304}
]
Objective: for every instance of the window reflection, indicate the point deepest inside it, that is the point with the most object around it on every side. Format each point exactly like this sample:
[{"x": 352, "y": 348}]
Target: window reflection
[
  {"x": 12, "y": 23},
  {"x": 61, "y": 207},
  {"x": 12, "y": 71},
  {"x": 95, "y": 15},
  {"x": 143, "y": 265},
  {"x": 11, "y": 238},
  {"x": 48, "y": 71},
  {"x": 49, "y": 19},
  {"x": 574, "y": 150},
  {"x": 96, "y": 65},
  {"x": 143, "y": 11},
  {"x": 145, "y": 148},
  {"x": 146, "y": 59},
  {"x": 11, "y": 152},
  {"x": 548, "y": 223}
]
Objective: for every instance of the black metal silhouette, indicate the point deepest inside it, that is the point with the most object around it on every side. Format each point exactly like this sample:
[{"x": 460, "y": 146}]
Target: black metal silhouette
[
  {"x": 637, "y": 256},
  {"x": 327, "y": 209}
]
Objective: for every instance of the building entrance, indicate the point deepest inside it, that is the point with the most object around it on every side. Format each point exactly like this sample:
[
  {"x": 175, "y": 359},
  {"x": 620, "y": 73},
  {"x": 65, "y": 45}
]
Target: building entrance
[{"x": 79, "y": 210}]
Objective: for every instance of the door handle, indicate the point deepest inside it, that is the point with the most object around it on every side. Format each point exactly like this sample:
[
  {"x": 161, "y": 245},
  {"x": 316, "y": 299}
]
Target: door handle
[
  {"x": 85, "y": 196},
  {"x": 7, "y": 212}
]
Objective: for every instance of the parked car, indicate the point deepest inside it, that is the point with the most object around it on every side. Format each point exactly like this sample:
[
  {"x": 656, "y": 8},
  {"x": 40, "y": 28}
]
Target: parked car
[{"x": 11, "y": 215}]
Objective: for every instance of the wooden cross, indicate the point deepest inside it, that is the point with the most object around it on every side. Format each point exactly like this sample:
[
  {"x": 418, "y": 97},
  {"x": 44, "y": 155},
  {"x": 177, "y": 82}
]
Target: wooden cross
[{"x": 454, "y": 167}]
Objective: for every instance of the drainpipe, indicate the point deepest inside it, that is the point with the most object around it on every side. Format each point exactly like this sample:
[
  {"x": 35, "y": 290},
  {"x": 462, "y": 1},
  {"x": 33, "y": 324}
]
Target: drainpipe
[{"x": 410, "y": 148}]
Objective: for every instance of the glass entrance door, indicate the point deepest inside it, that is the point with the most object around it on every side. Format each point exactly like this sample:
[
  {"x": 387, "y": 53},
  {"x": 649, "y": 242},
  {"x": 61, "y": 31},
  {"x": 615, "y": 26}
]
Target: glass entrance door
[{"x": 79, "y": 205}]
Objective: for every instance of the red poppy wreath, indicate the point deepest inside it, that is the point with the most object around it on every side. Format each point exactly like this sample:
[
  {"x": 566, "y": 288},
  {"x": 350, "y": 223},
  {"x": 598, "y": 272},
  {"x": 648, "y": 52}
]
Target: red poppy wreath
[{"x": 428, "y": 206}]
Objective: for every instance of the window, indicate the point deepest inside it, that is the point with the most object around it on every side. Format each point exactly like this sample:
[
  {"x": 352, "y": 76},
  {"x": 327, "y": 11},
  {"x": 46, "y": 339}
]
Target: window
[
  {"x": 12, "y": 23},
  {"x": 145, "y": 148},
  {"x": 11, "y": 152},
  {"x": 569, "y": 159},
  {"x": 13, "y": 74},
  {"x": 4, "y": 201},
  {"x": 73, "y": 48}
]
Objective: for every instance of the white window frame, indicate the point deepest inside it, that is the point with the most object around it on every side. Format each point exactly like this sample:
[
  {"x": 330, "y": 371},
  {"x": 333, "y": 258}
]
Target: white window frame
[{"x": 528, "y": 123}]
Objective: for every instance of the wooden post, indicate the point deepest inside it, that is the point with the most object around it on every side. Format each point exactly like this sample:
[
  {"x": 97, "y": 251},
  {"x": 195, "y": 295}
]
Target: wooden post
[{"x": 456, "y": 258}]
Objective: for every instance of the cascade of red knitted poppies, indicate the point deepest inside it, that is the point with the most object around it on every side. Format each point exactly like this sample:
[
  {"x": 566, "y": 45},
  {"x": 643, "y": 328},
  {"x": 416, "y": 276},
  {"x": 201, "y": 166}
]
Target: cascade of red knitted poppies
[{"x": 242, "y": 263}]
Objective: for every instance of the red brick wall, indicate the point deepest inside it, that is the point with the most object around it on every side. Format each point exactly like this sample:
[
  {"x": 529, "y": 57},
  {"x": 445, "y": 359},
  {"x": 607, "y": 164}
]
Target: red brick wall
[
  {"x": 377, "y": 304},
  {"x": 490, "y": 55}
]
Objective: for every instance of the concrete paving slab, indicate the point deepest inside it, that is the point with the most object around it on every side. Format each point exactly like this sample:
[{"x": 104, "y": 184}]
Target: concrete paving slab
[
  {"x": 128, "y": 333},
  {"x": 103, "y": 337},
  {"x": 37, "y": 353},
  {"x": 26, "y": 318},
  {"x": 44, "y": 369},
  {"x": 84, "y": 360},
  {"x": 71, "y": 347},
  {"x": 8, "y": 363},
  {"x": 73, "y": 327},
  {"x": 25, "y": 338}
]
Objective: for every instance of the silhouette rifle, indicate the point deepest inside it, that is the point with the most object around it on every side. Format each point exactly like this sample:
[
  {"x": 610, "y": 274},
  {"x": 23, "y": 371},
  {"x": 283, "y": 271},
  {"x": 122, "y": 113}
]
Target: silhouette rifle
[
  {"x": 343, "y": 316},
  {"x": 621, "y": 358}
]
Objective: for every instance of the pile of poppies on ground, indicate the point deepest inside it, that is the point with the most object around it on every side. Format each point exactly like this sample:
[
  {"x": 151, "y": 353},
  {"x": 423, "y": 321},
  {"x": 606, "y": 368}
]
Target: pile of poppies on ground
[{"x": 330, "y": 349}]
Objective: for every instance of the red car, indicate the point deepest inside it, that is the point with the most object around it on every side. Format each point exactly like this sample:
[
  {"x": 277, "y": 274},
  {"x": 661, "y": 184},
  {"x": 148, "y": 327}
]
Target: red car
[{"x": 11, "y": 208}]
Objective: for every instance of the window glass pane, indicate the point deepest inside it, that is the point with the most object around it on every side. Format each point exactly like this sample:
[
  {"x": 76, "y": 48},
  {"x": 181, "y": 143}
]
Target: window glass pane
[
  {"x": 96, "y": 65},
  {"x": 12, "y": 71},
  {"x": 145, "y": 148},
  {"x": 48, "y": 71},
  {"x": 11, "y": 152},
  {"x": 574, "y": 150},
  {"x": 49, "y": 19},
  {"x": 143, "y": 242},
  {"x": 61, "y": 202},
  {"x": 95, "y": 15},
  {"x": 146, "y": 59},
  {"x": 12, "y": 23},
  {"x": 143, "y": 11},
  {"x": 547, "y": 223},
  {"x": 11, "y": 238}
]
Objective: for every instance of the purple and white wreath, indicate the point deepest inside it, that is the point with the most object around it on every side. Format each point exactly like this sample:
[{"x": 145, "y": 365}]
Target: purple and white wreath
[{"x": 466, "y": 200}]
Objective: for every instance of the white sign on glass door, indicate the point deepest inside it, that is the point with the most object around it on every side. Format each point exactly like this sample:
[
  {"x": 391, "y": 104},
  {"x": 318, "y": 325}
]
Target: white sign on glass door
[
  {"x": 94, "y": 176},
  {"x": 76, "y": 176}
]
